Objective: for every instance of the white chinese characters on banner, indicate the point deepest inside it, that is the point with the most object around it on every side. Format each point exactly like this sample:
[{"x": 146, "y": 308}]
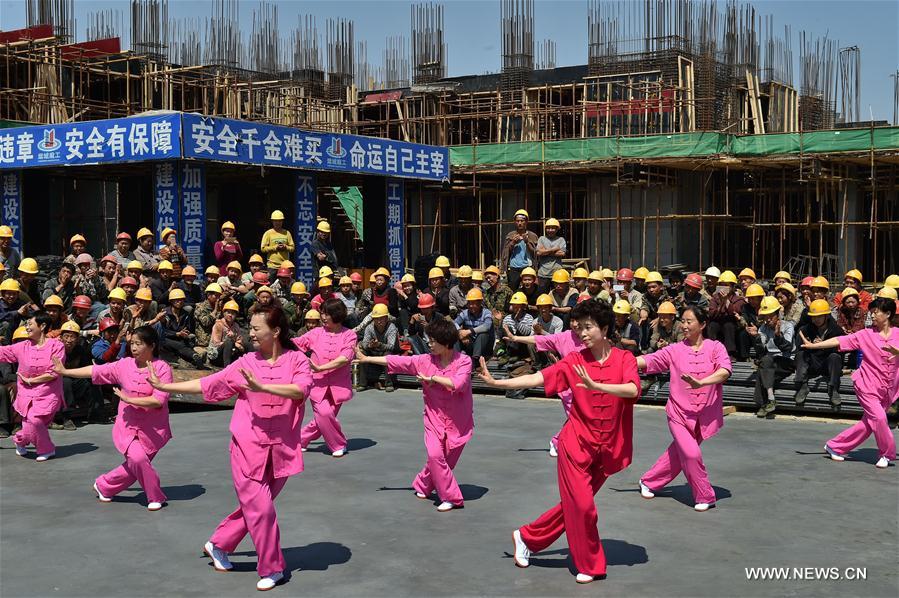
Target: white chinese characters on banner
[
  {"x": 12, "y": 205},
  {"x": 396, "y": 257},
  {"x": 304, "y": 229},
  {"x": 193, "y": 212},
  {"x": 166, "y": 206}
]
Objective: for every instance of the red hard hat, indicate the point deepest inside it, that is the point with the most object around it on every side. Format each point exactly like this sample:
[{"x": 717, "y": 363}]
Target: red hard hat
[
  {"x": 583, "y": 297},
  {"x": 426, "y": 300},
  {"x": 625, "y": 274},
  {"x": 82, "y": 301},
  {"x": 260, "y": 277},
  {"x": 122, "y": 235},
  {"x": 807, "y": 281},
  {"x": 356, "y": 277},
  {"x": 694, "y": 280},
  {"x": 107, "y": 323},
  {"x": 129, "y": 280},
  {"x": 283, "y": 272}
]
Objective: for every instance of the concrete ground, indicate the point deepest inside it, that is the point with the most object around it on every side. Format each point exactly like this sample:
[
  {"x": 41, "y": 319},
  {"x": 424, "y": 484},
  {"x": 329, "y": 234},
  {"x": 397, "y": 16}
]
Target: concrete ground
[{"x": 351, "y": 527}]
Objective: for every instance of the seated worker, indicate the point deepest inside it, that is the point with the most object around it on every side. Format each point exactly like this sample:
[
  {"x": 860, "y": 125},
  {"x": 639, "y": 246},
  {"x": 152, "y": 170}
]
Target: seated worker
[
  {"x": 227, "y": 341},
  {"x": 379, "y": 339},
  {"x": 311, "y": 320},
  {"x": 475, "y": 324},
  {"x": 790, "y": 309},
  {"x": 517, "y": 323},
  {"x": 111, "y": 346},
  {"x": 564, "y": 297},
  {"x": 749, "y": 320},
  {"x": 725, "y": 307},
  {"x": 419, "y": 322},
  {"x": 811, "y": 363},
  {"x": 78, "y": 393},
  {"x": 546, "y": 321},
  {"x": 654, "y": 296},
  {"x": 177, "y": 329},
  {"x": 625, "y": 334},
  {"x": 774, "y": 345},
  {"x": 666, "y": 330},
  {"x": 692, "y": 295}
]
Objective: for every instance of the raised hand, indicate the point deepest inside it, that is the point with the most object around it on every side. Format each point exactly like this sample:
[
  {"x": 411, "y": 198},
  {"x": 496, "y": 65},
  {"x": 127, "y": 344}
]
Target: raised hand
[
  {"x": 252, "y": 382},
  {"x": 484, "y": 373},
  {"x": 58, "y": 366},
  {"x": 693, "y": 382},
  {"x": 891, "y": 349},
  {"x": 121, "y": 394},
  {"x": 152, "y": 378},
  {"x": 586, "y": 381}
]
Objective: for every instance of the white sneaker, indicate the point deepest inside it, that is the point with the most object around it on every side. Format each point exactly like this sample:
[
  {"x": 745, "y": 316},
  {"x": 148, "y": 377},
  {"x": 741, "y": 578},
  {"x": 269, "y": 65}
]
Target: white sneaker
[
  {"x": 22, "y": 451},
  {"x": 835, "y": 456},
  {"x": 269, "y": 581},
  {"x": 303, "y": 450},
  {"x": 100, "y": 494},
  {"x": 420, "y": 495},
  {"x": 645, "y": 492},
  {"x": 882, "y": 463},
  {"x": 552, "y": 450},
  {"x": 446, "y": 506},
  {"x": 154, "y": 506},
  {"x": 338, "y": 453},
  {"x": 702, "y": 506},
  {"x": 219, "y": 557},
  {"x": 46, "y": 456},
  {"x": 522, "y": 556},
  {"x": 584, "y": 578}
]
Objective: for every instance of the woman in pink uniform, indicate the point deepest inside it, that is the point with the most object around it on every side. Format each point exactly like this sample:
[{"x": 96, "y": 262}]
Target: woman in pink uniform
[
  {"x": 271, "y": 384},
  {"x": 445, "y": 376},
  {"x": 332, "y": 349},
  {"x": 596, "y": 441},
  {"x": 38, "y": 388},
  {"x": 142, "y": 426},
  {"x": 875, "y": 382},
  {"x": 699, "y": 367}
]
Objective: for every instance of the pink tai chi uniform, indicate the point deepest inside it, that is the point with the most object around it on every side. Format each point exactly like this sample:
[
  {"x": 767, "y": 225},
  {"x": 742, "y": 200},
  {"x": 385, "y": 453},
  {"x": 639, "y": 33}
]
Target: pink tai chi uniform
[
  {"x": 694, "y": 414},
  {"x": 330, "y": 389},
  {"x": 876, "y": 383},
  {"x": 139, "y": 432},
  {"x": 265, "y": 450},
  {"x": 448, "y": 419},
  {"x": 36, "y": 404},
  {"x": 562, "y": 343}
]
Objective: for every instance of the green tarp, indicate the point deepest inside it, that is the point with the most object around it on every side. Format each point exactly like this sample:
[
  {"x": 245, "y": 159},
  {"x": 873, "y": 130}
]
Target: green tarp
[{"x": 351, "y": 200}]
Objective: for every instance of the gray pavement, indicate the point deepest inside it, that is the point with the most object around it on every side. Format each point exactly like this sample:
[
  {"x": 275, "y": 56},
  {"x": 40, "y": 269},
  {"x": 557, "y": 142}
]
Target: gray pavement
[{"x": 351, "y": 527}]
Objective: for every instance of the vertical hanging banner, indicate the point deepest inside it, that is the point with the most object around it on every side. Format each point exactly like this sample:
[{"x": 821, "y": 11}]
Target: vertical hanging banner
[
  {"x": 166, "y": 207},
  {"x": 396, "y": 257},
  {"x": 12, "y": 207},
  {"x": 193, "y": 212},
  {"x": 304, "y": 228}
]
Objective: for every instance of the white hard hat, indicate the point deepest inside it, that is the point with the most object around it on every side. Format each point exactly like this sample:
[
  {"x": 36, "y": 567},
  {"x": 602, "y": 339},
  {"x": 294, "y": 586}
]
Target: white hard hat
[{"x": 713, "y": 271}]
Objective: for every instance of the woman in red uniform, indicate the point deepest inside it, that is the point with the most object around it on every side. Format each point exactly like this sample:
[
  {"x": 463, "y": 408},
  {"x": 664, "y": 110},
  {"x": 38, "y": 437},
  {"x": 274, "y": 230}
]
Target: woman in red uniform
[{"x": 595, "y": 442}]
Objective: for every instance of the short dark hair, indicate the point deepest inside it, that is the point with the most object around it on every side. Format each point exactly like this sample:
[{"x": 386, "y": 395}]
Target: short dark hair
[
  {"x": 335, "y": 309},
  {"x": 598, "y": 311},
  {"x": 276, "y": 318},
  {"x": 443, "y": 332},
  {"x": 43, "y": 320},
  {"x": 148, "y": 336},
  {"x": 701, "y": 315},
  {"x": 68, "y": 266},
  {"x": 884, "y": 304}
]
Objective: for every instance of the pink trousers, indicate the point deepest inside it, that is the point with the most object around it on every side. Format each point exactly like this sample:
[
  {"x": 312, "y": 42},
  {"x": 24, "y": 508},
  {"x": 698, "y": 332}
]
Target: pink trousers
[
  {"x": 324, "y": 424},
  {"x": 566, "y": 405},
  {"x": 256, "y": 515},
  {"x": 874, "y": 421},
  {"x": 35, "y": 431},
  {"x": 682, "y": 455},
  {"x": 437, "y": 474},
  {"x": 137, "y": 466}
]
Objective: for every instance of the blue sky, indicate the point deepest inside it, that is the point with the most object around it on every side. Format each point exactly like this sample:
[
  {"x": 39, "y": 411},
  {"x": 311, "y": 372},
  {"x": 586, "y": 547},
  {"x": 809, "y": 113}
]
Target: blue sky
[{"x": 473, "y": 35}]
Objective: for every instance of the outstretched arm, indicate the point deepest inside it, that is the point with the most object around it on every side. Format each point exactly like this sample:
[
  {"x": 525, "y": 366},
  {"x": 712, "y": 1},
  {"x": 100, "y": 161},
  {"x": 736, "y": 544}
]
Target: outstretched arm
[
  {"x": 529, "y": 381},
  {"x": 186, "y": 387},
  {"x": 83, "y": 372}
]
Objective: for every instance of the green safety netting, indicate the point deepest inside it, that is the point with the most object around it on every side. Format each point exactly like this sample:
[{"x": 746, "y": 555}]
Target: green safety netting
[{"x": 351, "y": 201}]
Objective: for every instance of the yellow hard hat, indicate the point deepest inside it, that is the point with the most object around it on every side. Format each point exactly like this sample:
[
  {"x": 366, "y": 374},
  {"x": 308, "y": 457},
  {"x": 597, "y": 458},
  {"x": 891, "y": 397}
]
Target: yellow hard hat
[
  {"x": 176, "y": 294},
  {"x": 313, "y": 314},
  {"x": 727, "y": 277},
  {"x": 2, "y": 268},
  {"x": 518, "y": 298},
  {"x": 323, "y": 226},
  {"x": 165, "y": 265},
  {"x": 213, "y": 271},
  {"x": 382, "y": 271},
  {"x": 654, "y": 277},
  {"x": 552, "y": 222},
  {"x": 892, "y": 281},
  {"x": 746, "y": 273},
  {"x": 529, "y": 272},
  {"x": 19, "y": 333},
  {"x": 10, "y": 284},
  {"x": 77, "y": 238},
  {"x": 495, "y": 270},
  {"x": 667, "y": 308},
  {"x": 820, "y": 282},
  {"x": 595, "y": 275},
  {"x": 435, "y": 273},
  {"x": 235, "y": 265},
  {"x": 144, "y": 294},
  {"x": 888, "y": 292},
  {"x": 28, "y": 266},
  {"x": 755, "y": 290},
  {"x": 135, "y": 265},
  {"x": 70, "y": 326},
  {"x": 787, "y": 287},
  {"x": 607, "y": 273},
  {"x": 379, "y": 311},
  {"x": 165, "y": 233},
  {"x": 642, "y": 272},
  {"x": 345, "y": 280},
  {"x": 819, "y": 307},
  {"x": 848, "y": 292},
  {"x": 442, "y": 262},
  {"x": 325, "y": 271},
  {"x": 5, "y": 232},
  {"x": 521, "y": 213},
  {"x": 277, "y": 215},
  {"x": 622, "y": 307},
  {"x": 543, "y": 299},
  {"x": 405, "y": 278},
  {"x": 854, "y": 274},
  {"x": 144, "y": 232},
  {"x": 477, "y": 276},
  {"x": 298, "y": 288},
  {"x": 188, "y": 270},
  {"x": 372, "y": 279},
  {"x": 53, "y": 300},
  {"x": 256, "y": 259},
  {"x": 464, "y": 272},
  {"x": 214, "y": 287},
  {"x": 264, "y": 289},
  {"x": 228, "y": 224},
  {"x": 118, "y": 293},
  {"x": 231, "y": 305},
  {"x": 559, "y": 276},
  {"x": 580, "y": 273},
  {"x": 769, "y": 306},
  {"x": 325, "y": 282},
  {"x": 474, "y": 295},
  {"x": 783, "y": 274}
]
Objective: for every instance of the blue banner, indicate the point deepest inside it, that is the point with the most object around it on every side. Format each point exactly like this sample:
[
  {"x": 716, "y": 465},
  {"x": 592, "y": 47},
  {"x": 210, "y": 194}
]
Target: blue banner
[
  {"x": 396, "y": 257},
  {"x": 304, "y": 229},
  {"x": 166, "y": 198},
  {"x": 256, "y": 143},
  {"x": 12, "y": 208},
  {"x": 193, "y": 212},
  {"x": 92, "y": 142}
]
